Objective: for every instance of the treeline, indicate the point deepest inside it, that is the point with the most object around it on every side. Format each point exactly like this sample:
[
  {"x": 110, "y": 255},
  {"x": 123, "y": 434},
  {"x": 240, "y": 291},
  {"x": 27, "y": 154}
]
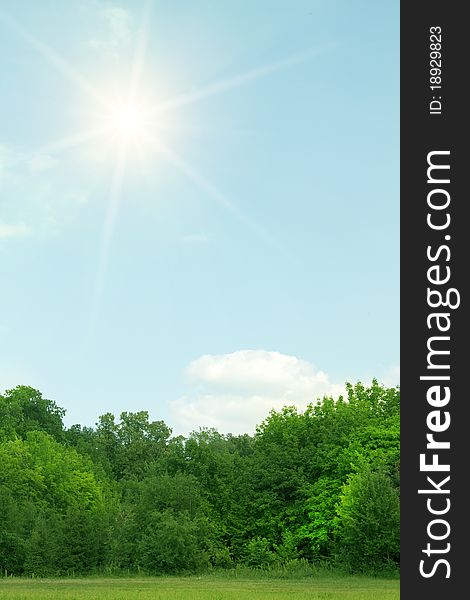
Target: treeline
[{"x": 125, "y": 496}]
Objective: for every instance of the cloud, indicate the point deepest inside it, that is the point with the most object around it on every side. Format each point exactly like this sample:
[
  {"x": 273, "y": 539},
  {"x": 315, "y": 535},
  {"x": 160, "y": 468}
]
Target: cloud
[
  {"x": 41, "y": 162},
  {"x": 2, "y": 157},
  {"x": 38, "y": 196},
  {"x": 391, "y": 377},
  {"x": 235, "y": 392},
  {"x": 5, "y": 157},
  {"x": 117, "y": 32},
  {"x": 12, "y": 230},
  {"x": 119, "y": 23}
]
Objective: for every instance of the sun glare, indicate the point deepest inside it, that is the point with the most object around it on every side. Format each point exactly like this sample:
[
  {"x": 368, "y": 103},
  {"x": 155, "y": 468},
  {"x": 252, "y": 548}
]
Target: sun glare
[{"x": 127, "y": 121}]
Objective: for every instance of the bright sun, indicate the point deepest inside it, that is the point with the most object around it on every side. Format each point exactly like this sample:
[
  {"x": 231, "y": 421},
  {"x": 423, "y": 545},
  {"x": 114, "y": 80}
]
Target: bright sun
[{"x": 128, "y": 122}]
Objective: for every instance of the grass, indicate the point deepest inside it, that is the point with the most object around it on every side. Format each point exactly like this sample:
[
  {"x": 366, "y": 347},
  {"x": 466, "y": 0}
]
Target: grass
[{"x": 322, "y": 587}]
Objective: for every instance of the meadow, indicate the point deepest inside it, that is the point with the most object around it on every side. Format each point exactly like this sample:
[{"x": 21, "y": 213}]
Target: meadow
[{"x": 201, "y": 588}]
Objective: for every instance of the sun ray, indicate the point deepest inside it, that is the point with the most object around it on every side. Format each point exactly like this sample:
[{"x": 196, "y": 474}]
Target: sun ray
[
  {"x": 220, "y": 87},
  {"x": 127, "y": 121},
  {"x": 106, "y": 236},
  {"x": 214, "y": 193},
  {"x": 74, "y": 140},
  {"x": 139, "y": 53},
  {"x": 63, "y": 144},
  {"x": 55, "y": 59}
]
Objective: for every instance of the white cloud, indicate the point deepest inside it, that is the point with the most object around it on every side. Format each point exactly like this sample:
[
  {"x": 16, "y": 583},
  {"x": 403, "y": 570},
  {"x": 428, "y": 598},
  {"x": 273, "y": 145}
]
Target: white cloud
[
  {"x": 117, "y": 32},
  {"x": 10, "y": 230},
  {"x": 2, "y": 159},
  {"x": 6, "y": 156},
  {"x": 391, "y": 377},
  {"x": 41, "y": 162},
  {"x": 119, "y": 23},
  {"x": 35, "y": 199},
  {"x": 235, "y": 392}
]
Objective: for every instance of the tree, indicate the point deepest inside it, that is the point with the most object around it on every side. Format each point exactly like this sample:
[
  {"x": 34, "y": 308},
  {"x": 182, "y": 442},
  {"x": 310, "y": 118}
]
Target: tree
[
  {"x": 50, "y": 507},
  {"x": 43, "y": 547},
  {"x": 132, "y": 445},
  {"x": 23, "y": 409},
  {"x": 83, "y": 542},
  {"x": 315, "y": 535},
  {"x": 15, "y": 522},
  {"x": 170, "y": 544},
  {"x": 322, "y": 483},
  {"x": 368, "y": 522},
  {"x": 258, "y": 553}
]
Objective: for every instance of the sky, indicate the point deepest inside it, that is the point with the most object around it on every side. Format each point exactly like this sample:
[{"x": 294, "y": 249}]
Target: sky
[{"x": 199, "y": 205}]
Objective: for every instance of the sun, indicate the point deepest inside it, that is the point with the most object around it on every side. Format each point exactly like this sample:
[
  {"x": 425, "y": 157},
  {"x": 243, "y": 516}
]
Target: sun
[
  {"x": 128, "y": 121},
  {"x": 125, "y": 125}
]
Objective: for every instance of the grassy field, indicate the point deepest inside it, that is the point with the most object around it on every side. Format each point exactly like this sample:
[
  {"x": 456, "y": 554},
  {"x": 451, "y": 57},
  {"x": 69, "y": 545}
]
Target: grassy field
[{"x": 200, "y": 588}]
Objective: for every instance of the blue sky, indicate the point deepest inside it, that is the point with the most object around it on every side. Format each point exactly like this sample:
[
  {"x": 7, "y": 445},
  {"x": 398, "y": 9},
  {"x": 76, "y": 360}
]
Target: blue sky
[{"x": 199, "y": 209}]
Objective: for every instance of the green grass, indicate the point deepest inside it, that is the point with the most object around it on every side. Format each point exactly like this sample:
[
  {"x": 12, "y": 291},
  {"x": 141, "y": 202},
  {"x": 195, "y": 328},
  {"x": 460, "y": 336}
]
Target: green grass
[{"x": 201, "y": 588}]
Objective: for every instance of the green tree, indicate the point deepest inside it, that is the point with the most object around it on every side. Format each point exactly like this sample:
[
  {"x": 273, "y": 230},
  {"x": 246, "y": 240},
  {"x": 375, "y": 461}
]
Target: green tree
[
  {"x": 258, "y": 553},
  {"x": 133, "y": 445},
  {"x": 50, "y": 507},
  {"x": 368, "y": 522},
  {"x": 44, "y": 545},
  {"x": 322, "y": 483},
  {"x": 83, "y": 542},
  {"x": 170, "y": 544},
  {"x": 16, "y": 519},
  {"x": 23, "y": 409},
  {"x": 316, "y": 534}
]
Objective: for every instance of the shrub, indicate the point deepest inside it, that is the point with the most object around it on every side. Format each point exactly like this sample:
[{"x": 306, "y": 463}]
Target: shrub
[{"x": 368, "y": 523}]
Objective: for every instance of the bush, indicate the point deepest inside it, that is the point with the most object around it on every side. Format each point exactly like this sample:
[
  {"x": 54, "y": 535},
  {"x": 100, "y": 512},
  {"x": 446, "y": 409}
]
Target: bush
[
  {"x": 43, "y": 548},
  {"x": 170, "y": 544},
  {"x": 258, "y": 553},
  {"x": 368, "y": 523}
]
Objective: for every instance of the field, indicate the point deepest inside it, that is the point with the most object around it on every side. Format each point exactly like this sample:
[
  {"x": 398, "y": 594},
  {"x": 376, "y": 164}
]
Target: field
[{"x": 200, "y": 588}]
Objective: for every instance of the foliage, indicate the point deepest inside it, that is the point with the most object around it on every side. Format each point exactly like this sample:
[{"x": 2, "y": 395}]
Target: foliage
[
  {"x": 170, "y": 544},
  {"x": 125, "y": 496},
  {"x": 368, "y": 522},
  {"x": 23, "y": 409},
  {"x": 258, "y": 553}
]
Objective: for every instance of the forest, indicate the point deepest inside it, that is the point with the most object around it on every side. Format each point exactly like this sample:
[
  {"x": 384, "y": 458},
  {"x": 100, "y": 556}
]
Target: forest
[{"x": 313, "y": 487}]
